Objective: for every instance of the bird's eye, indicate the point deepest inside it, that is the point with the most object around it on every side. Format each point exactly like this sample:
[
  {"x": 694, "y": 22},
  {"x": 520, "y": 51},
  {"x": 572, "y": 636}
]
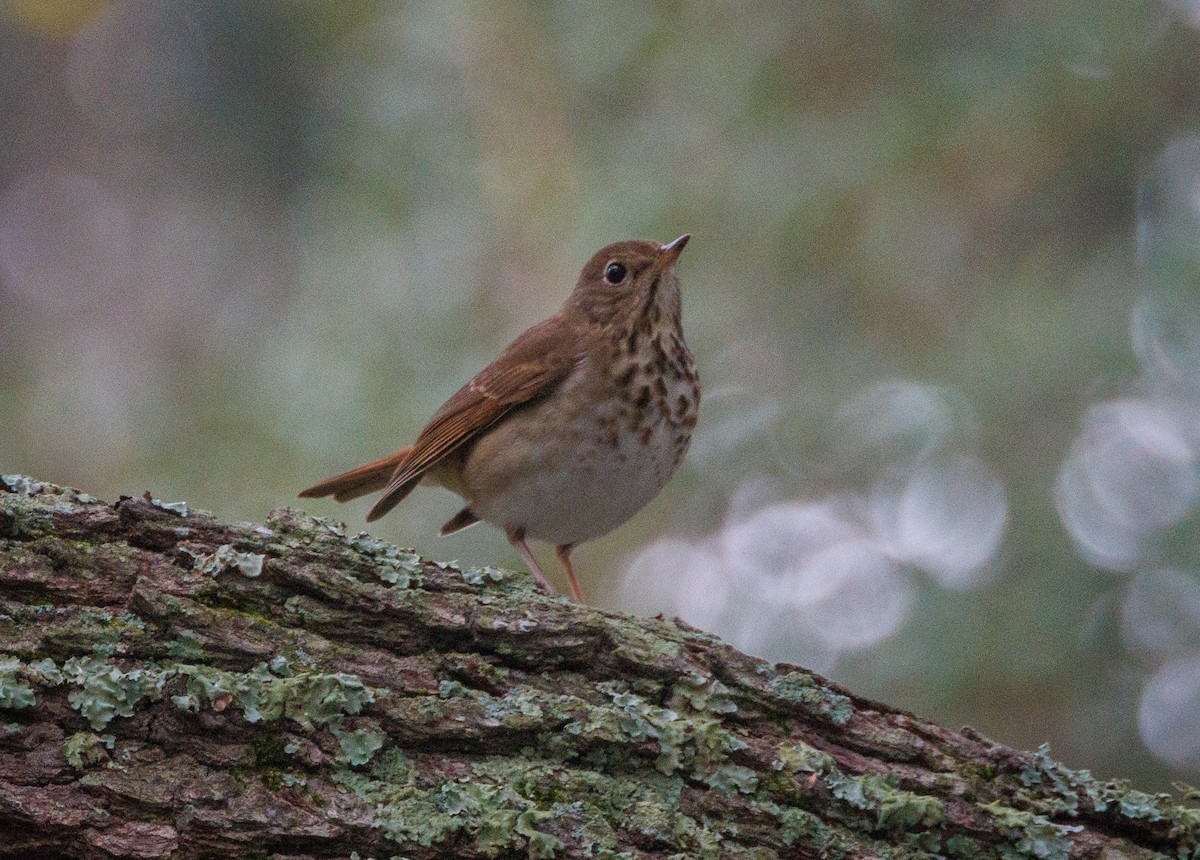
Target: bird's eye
[{"x": 614, "y": 273}]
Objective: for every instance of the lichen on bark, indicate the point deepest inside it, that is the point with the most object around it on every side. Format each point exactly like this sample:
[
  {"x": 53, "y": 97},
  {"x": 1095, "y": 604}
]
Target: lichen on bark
[{"x": 171, "y": 685}]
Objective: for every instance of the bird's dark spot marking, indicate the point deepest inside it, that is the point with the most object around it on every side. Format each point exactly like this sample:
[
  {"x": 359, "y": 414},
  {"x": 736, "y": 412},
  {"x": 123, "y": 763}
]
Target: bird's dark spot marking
[
  {"x": 625, "y": 378},
  {"x": 646, "y": 435},
  {"x": 643, "y": 397}
]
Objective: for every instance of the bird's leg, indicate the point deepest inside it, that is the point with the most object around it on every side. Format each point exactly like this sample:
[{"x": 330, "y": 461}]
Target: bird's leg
[
  {"x": 517, "y": 538},
  {"x": 564, "y": 555}
]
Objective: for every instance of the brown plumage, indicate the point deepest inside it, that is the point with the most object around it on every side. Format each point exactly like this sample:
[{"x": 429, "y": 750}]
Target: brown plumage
[{"x": 574, "y": 427}]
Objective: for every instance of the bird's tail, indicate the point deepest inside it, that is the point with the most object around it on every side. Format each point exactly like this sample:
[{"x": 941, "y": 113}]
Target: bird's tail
[{"x": 357, "y": 482}]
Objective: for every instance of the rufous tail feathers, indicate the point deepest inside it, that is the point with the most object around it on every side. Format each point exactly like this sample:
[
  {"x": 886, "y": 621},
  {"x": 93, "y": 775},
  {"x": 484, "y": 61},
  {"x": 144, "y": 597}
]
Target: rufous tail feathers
[
  {"x": 393, "y": 496},
  {"x": 357, "y": 482},
  {"x": 462, "y": 520}
]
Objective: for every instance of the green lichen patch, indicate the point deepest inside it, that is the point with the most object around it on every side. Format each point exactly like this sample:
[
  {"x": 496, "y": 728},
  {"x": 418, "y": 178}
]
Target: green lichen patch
[
  {"x": 510, "y": 805},
  {"x": 108, "y": 632},
  {"x": 65, "y": 630},
  {"x": 219, "y": 689},
  {"x": 905, "y": 810},
  {"x": 45, "y": 672},
  {"x": 17, "y": 680},
  {"x": 732, "y": 777},
  {"x": 1065, "y": 785},
  {"x": 483, "y": 575},
  {"x": 800, "y": 825},
  {"x": 799, "y": 756},
  {"x": 694, "y": 743},
  {"x": 523, "y": 805},
  {"x": 826, "y": 839},
  {"x": 646, "y": 644},
  {"x": 358, "y": 745},
  {"x": 894, "y": 809},
  {"x": 1061, "y": 789},
  {"x": 412, "y": 815},
  {"x": 187, "y": 646},
  {"x": 296, "y": 529},
  {"x": 178, "y": 508},
  {"x": 84, "y": 749},
  {"x": 394, "y": 565},
  {"x": 22, "y": 515},
  {"x": 309, "y": 698},
  {"x": 224, "y": 558},
  {"x": 105, "y": 691},
  {"x": 15, "y": 694},
  {"x": 1035, "y": 835},
  {"x": 704, "y": 694},
  {"x": 539, "y": 844},
  {"x": 801, "y": 690},
  {"x": 477, "y": 714},
  {"x": 24, "y": 485}
]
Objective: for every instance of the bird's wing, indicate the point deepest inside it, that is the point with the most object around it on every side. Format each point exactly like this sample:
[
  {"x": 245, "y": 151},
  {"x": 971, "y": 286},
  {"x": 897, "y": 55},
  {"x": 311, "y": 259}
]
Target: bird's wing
[{"x": 529, "y": 368}]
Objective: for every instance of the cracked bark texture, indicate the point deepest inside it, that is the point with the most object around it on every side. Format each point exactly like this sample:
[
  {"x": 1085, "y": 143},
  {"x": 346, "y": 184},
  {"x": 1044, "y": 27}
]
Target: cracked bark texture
[{"x": 176, "y": 686}]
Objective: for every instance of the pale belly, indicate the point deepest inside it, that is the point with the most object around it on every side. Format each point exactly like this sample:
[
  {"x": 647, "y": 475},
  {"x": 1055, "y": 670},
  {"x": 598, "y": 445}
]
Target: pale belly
[{"x": 566, "y": 478}]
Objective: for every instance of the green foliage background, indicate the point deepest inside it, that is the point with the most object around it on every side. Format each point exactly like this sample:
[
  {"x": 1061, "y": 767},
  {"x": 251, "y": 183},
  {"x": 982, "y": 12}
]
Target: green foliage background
[{"x": 262, "y": 241}]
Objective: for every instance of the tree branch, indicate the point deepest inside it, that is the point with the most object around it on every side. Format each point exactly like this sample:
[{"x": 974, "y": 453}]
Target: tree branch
[{"x": 171, "y": 685}]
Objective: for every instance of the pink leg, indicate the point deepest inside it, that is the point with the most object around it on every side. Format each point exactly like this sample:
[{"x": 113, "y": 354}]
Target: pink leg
[
  {"x": 517, "y": 538},
  {"x": 564, "y": 555}
]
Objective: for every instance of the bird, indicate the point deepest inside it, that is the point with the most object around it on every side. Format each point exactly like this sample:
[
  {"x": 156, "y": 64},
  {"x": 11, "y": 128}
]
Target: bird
[{"x": 576, "y": 425}]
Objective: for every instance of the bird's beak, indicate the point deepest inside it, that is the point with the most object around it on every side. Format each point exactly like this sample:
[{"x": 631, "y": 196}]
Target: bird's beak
[{"x": 669, "y": 253}]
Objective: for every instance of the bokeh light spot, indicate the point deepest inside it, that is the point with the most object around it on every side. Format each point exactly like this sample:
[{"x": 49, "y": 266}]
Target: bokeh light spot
[
  {"x": 677, "y": 578},
  {"x": 896, "y": 420},
  {"x": 950, "y": 519},
  {"x": 1130, "y": 473},
  {"x": 872, "y": 605},
  {"x": 1167, "y": 713},
  {"x": 779, "y": 551},
  {"x": 1161, "y": 613},
  {"x": 1166, "y": 340}
]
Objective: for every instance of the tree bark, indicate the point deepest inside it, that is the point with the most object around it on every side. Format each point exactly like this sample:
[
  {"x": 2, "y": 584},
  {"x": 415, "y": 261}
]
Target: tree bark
[{"x": 175, "y": 686}]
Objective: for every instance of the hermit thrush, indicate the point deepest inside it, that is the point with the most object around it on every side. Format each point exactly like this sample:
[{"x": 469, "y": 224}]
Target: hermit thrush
[{"x": 575, "y": 426}]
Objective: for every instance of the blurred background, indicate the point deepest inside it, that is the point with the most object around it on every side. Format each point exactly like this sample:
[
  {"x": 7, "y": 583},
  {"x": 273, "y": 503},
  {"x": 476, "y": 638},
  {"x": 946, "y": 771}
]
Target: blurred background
[{"x": 943, "y": 294}]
